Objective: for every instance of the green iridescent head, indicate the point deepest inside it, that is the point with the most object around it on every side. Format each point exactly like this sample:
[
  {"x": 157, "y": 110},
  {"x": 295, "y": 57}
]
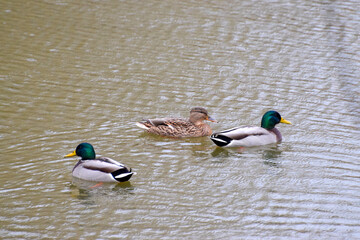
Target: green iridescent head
[
  {"x": 83, "y": 150},
  {"x": 271, "y": 118}
]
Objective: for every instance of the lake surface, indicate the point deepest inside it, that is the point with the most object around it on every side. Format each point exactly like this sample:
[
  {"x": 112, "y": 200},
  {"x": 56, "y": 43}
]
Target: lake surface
[{"x": 86, "y": 71}]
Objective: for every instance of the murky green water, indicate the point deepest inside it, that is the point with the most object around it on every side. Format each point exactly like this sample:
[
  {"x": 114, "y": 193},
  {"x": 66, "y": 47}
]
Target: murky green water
[{"x": 87, "y": 71}]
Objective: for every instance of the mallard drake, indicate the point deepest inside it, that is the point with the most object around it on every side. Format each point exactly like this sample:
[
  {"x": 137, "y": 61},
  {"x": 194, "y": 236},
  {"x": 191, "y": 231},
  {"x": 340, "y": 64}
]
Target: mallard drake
[
  {"x": 102, "y": 169},
  {"x": 249, "y": 136},
  {"x": 178, "y": 127}
]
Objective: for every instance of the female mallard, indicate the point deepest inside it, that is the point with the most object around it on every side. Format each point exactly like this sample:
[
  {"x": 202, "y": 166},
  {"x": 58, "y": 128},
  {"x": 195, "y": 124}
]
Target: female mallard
[
  {"x": 100, "y": 169},
  {"x": 249, "y": 136},
  {"x": 178, "y": 127}
]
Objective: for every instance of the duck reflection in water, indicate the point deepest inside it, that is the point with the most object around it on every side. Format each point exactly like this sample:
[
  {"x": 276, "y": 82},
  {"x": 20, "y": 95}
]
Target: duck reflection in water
[
  {"x": 85, "y": 190},
  {"x": 270, "y": 154}
]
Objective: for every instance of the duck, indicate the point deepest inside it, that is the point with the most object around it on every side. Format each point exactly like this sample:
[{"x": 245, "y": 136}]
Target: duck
[
  {"x": 179, "y": 127},
  {"x": 250, "y": 136},
  {"x": 101, "y": 169}
]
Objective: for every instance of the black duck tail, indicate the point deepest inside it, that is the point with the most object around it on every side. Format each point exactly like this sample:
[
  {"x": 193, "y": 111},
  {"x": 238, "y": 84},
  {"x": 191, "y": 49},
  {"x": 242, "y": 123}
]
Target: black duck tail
[
  {"x": 122, "y": 175},
  {"x": 220, "y": 140}
]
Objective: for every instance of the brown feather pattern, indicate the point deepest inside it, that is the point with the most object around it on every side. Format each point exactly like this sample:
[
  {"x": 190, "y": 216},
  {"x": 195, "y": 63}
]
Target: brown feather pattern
[{"x": 179, "y": 127}]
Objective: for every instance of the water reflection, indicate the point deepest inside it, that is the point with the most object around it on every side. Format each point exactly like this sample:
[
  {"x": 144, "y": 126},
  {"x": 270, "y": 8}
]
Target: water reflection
[
  {"x": 271, "y": 153},
  {"x": 271, "y": 156},
  {"x": 85, "y": 190},
  {"x": 220, "y": 152}
]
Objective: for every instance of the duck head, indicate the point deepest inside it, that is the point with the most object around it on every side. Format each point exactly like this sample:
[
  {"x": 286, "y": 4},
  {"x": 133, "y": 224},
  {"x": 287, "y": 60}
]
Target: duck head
[
  {"x": 198, "y": 115},
  {"x": 83, "y": 150},
  {"x": 271, "y": 118}
]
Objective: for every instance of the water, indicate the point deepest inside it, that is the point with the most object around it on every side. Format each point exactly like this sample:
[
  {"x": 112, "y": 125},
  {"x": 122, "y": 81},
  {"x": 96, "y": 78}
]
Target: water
[{"x": 87, "y": 71}]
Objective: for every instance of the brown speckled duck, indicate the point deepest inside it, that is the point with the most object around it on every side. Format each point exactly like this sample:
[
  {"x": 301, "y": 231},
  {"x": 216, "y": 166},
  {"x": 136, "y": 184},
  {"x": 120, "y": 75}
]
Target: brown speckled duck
[{"x": 178, "y": 127}]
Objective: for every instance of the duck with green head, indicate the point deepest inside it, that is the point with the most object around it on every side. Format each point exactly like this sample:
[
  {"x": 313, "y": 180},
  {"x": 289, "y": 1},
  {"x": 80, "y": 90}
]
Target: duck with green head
[
  {"x": 101, "y": 169},
  {"x": 249, "y": 136}
]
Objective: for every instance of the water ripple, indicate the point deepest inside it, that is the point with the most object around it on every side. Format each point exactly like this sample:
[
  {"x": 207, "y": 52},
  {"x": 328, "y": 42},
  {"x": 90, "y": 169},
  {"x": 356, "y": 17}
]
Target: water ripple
[{"x": 75, "y": 72}]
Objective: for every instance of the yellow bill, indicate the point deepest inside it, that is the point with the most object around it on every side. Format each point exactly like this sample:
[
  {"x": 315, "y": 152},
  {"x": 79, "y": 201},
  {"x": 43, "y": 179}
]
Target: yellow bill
[
  {"x": 283, "y": 120},
  {"x": 71, "y": 154}
]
